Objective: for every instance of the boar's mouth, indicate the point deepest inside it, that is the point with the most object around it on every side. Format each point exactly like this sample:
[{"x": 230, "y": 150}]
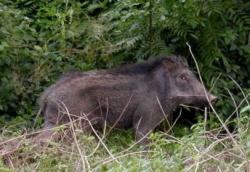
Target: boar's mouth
[{"x": 194, "y": 100}]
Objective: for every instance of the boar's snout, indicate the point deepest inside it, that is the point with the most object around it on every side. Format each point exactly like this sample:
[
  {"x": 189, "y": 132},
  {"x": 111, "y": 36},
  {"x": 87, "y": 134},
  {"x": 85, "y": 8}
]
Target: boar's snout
[{"x": 212, "y": 98}]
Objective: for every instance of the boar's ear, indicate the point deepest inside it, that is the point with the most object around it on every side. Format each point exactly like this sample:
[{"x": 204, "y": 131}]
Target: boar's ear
[{"x": 169, "y": 65}]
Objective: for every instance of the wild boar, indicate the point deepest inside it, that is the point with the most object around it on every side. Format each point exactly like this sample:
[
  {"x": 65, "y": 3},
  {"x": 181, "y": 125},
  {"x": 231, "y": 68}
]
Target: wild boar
[{"x": 138, "y": 96}]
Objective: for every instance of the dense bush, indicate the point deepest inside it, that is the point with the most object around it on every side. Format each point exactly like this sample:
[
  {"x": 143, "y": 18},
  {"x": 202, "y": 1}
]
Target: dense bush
[{"x": 41, "y": 40}]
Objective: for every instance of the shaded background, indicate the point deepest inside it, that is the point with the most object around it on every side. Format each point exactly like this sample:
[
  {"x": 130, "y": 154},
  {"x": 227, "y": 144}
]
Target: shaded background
[{"x": 41, "y": 40}]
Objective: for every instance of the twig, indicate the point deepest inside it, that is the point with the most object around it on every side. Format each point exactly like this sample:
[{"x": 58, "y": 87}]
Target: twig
[
  {"x": 74, "y": 136},
  {"x": 100, "y": 139},
  {"x": 220, "y": 120}
]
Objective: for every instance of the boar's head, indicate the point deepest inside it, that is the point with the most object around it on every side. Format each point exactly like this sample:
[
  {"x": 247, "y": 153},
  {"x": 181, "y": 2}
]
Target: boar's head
[{"x": 184, "y": 87}]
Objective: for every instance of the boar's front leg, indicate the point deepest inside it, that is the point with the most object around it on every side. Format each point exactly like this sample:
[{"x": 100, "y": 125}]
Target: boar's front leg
[{"x": 147, "y": 116}]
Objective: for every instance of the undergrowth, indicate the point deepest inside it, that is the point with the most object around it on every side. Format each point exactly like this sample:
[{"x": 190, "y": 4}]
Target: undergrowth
[
  {"x": 201, "y": 148},
  {"x": 39, "y": 40}
]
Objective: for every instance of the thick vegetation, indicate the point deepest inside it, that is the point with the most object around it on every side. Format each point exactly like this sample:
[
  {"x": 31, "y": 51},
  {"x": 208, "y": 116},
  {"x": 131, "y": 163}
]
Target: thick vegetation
[{"x": 39, "y": 40}]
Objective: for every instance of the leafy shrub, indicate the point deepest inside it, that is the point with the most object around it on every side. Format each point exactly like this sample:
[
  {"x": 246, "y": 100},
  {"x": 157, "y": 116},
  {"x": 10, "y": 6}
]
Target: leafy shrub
[{"x": 41, "y": 40}]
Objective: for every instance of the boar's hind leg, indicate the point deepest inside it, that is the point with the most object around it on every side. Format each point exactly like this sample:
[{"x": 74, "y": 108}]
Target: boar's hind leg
[
  {"x": 46, "y": 135},
  {"x": 145, "y": 121}
]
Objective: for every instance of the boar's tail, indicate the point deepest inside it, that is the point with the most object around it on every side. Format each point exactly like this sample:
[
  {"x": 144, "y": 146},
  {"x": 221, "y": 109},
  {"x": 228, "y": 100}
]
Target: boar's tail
[
  {"x": 42, "y": 101},
  {"x": 42, "y": 108}
]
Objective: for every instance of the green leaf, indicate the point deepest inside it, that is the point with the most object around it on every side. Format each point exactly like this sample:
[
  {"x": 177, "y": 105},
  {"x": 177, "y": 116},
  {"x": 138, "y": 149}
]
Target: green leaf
[
  {"x": 38, "y": 48},
  {"x": 245, "y": 109}
]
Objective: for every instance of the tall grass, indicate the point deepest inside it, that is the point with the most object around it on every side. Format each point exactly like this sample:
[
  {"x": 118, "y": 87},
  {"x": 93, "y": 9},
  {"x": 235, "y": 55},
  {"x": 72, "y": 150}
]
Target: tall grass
[{"x": 204, "y": 148}]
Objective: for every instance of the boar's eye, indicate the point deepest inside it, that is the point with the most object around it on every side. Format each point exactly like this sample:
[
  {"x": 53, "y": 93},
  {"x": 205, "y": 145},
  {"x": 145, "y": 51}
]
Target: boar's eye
[{"x": 183, "y": 77}]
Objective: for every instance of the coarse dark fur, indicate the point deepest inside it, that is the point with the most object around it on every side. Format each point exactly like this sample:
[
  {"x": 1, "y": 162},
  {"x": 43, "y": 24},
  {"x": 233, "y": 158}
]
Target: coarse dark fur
[{"x": 137, "y": 96}]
